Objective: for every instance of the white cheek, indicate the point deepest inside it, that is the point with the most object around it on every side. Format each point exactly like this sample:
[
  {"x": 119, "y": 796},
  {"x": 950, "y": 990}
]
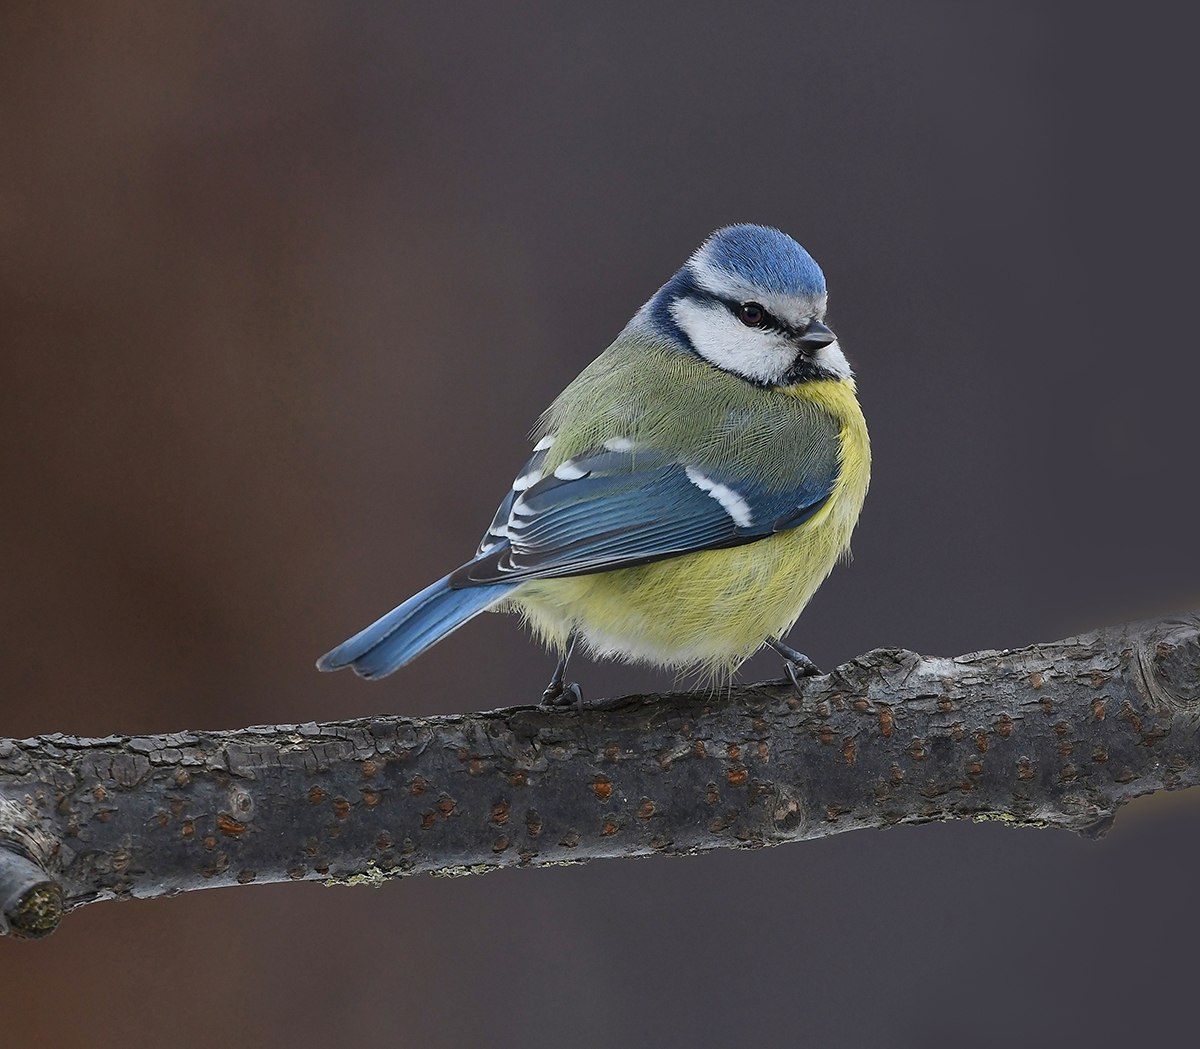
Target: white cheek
[
  {"x": 721, "y": 339},
  {"x": 833, "y": 360}
]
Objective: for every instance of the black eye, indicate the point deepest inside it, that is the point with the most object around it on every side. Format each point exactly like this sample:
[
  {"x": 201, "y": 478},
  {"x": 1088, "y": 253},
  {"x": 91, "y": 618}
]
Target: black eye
[{"x": 752, "y": 314}]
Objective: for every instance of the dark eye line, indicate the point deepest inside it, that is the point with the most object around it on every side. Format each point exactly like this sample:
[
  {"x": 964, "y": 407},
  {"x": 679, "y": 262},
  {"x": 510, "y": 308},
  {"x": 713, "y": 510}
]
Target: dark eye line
[{"x": 769, "y": 322}]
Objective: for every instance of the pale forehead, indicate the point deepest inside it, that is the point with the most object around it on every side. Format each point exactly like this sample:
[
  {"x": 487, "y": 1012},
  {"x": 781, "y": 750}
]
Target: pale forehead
[{"x": 792, "y": 308}]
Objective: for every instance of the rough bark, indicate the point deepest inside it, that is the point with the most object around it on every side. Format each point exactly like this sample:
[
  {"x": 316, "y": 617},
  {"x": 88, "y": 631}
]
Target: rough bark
[{"x": 1055, "y": 735}]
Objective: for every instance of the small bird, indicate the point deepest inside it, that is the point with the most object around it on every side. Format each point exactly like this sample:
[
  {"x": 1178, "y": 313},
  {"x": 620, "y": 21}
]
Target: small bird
[{"x": 687, "y": 492}]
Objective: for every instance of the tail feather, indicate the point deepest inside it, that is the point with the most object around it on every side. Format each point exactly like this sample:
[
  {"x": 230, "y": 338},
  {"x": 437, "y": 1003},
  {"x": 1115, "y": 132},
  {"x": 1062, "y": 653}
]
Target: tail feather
[{"x": 408, "y": 630}]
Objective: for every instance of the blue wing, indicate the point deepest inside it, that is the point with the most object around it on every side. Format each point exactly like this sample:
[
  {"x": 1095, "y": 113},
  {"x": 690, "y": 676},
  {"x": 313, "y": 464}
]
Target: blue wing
[
  {"x": 620, "y": 507},
  {"x": 530, "y": 473},
  {"x": 617, "y": 507}
]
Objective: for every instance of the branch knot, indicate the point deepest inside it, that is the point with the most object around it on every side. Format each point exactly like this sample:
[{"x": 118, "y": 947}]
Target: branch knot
[{"x": 1169, "y": 665}]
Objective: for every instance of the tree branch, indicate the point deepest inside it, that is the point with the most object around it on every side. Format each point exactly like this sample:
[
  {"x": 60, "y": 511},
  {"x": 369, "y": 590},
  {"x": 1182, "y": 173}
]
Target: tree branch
[{"x": 1053, "y": 735}]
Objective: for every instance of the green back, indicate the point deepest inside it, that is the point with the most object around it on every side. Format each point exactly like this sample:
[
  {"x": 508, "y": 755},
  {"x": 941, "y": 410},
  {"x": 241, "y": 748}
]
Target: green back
[{"x": 646, "y": 390}]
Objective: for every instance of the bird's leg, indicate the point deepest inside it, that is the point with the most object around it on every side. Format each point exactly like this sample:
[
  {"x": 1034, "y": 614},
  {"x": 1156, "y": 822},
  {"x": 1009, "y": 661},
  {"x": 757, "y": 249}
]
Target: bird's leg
[
  {"x": 795, "y": 664},
  {"x": 557, "y": 693}
]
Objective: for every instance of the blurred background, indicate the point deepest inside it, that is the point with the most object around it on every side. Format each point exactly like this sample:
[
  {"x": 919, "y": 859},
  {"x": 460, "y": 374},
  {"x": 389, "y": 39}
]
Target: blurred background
[{"x": 282, "y": 288}]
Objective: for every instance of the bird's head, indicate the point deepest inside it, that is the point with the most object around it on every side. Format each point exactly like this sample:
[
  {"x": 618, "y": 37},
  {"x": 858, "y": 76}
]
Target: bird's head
[{"x": 750, "y": 301}]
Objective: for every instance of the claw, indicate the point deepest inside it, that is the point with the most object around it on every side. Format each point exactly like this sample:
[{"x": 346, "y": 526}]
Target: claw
[
  {"x": 795, "y": 670},
  {"x": 563, "y": 696},
  {"x": 795, "y": 664},
  {"x": 560, "y": 694}
]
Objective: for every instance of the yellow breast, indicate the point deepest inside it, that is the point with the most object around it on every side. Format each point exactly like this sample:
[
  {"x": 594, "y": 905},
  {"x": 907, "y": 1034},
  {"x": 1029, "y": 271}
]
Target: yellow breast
[{"x": 712, "y": 610}]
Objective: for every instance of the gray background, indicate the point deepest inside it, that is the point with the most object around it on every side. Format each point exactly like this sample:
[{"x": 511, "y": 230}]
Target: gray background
[{"x": 281, "y": 291}]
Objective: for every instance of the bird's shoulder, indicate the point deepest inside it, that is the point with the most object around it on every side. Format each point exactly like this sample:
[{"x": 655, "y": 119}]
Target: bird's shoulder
[
  {"x": 642, "y": 406},
  {"x": 645, "y": 391}
]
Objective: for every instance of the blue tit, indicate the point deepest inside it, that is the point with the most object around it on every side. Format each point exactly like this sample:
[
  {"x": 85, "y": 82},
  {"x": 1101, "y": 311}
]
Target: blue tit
[{"x": 686, "y": 494}]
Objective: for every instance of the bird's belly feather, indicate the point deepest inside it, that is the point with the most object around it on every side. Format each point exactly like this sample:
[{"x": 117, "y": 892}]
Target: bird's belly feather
[{"x": 711, "y": 608}]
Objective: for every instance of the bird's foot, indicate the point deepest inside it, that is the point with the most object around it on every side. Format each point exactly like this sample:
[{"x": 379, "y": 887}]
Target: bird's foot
[
  {"x": 795, "y": 664},
  {"x": 560, "y": 696},
  {"x": 796, "y": 670}
]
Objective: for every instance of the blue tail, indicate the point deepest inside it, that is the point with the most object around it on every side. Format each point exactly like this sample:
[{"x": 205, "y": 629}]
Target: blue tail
[{"x": 405, "y": 632}]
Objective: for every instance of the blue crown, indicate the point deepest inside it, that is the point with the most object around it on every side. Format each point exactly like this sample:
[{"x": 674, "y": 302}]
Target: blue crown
[{"x": 765, "y": 258}]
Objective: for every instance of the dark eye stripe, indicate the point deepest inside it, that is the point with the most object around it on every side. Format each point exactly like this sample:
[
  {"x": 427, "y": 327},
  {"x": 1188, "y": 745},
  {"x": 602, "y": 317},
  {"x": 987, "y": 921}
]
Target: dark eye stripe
[{"x": 769, "y": 321}]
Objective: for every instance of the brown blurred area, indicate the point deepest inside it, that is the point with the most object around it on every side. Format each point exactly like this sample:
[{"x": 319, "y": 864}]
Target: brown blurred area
[{"x": 282, "y": 288}]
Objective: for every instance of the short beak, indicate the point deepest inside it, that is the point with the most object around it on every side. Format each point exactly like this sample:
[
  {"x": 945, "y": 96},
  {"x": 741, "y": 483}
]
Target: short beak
[{"x": 816, "y": 336}]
